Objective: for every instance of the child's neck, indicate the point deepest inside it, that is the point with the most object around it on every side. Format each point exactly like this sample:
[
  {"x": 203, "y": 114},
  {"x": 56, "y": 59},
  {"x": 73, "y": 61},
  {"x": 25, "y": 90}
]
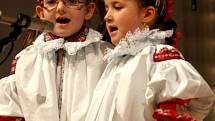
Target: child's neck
[{"x": 79, "y": 36}]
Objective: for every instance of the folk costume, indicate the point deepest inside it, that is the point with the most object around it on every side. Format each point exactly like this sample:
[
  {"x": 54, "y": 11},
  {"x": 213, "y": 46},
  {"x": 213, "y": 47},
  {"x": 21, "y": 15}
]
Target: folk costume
[
  {"x": 144, "y": 78},
  {"x": 54, "y": 78}
]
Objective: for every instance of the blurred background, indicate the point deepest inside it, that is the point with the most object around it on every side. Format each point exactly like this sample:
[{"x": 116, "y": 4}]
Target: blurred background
[{"x": 195, "y": 21}]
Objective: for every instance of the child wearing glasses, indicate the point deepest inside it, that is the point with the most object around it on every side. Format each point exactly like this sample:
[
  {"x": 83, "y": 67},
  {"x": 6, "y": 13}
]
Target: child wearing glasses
[
  {"x": 145, "y": 79},
  {"x": 53, "y": 79}
]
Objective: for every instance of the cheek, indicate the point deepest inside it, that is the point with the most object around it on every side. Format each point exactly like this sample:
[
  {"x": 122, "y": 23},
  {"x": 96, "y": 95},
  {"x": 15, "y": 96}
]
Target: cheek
[
  {"x": 131, "y": 24},
  {"x": 49, "y": 16},
  {"x": 127, "y": 25},
  {"x": 78, "y": 18}
]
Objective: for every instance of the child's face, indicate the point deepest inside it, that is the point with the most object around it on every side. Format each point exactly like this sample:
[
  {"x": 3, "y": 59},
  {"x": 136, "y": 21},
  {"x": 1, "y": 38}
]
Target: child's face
[
  {"x": 122, "y": 16},
  {"x": 67, "y": 19}
]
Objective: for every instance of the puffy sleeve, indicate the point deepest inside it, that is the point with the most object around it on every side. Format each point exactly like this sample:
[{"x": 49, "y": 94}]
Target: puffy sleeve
[
  {"x": 9, "y": 102},
  {"x": 173, "y": 78},
  {"x": 10, "y": 109}
]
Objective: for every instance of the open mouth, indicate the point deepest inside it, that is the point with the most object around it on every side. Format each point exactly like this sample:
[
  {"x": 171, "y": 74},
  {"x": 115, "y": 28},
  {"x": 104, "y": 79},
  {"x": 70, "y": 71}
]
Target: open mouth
[
  {"x": 113, "y": 29},
  {"x": 62, "y": 20}
]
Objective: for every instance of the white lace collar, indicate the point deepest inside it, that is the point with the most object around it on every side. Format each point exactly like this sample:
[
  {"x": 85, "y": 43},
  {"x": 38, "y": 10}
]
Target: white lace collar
[
  {"x": 135, "y": 41},
  {"x": 71, "y": 47}
]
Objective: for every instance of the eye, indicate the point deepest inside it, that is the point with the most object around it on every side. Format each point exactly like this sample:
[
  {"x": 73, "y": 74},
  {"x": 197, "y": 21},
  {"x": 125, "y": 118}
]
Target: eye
[
  {"x": 118, "y": 6},
  {"x": 74, "y": 1},
  {"x": 50, "y": 2}
]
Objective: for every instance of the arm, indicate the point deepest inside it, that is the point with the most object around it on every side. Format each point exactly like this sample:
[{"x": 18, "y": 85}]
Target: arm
[
  {"x": 9, "y": 104},
  {"x": 173, "y": 80}
]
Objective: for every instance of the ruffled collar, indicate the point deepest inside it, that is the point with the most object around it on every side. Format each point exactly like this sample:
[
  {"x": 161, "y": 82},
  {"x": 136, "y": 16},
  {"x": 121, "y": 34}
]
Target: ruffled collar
[
  {"x": 134, "y": 42},
  {"x": 60, "y": 43}
]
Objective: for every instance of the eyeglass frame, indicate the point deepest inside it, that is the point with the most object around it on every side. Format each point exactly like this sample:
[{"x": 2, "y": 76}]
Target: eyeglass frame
[{"x": 76, "y": 4}]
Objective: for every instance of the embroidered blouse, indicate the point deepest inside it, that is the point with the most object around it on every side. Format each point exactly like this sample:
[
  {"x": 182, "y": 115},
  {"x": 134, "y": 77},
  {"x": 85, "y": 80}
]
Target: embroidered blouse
[
  {"x": 32, "y": 91},
  {"x": 143, "y": 73}
]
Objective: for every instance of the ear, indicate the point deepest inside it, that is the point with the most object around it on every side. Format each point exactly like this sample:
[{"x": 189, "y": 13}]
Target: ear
[
  {"x": 148, "y": 15},
  {"x": 90, "y": 10},
  {"x": 39, "y": 12}
]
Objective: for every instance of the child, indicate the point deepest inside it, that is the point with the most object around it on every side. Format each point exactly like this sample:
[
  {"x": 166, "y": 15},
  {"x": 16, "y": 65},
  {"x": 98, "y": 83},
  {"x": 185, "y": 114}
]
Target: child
[
  {"x": 55, "y": 77},
  {"x": 146, "y": 80}
]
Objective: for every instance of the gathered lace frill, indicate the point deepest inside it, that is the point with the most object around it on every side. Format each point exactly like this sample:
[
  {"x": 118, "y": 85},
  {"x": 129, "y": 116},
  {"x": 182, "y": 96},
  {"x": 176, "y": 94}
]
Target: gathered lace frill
[
  {"x": 70, "y": 47},
  {"x": 134, "y": 42}
]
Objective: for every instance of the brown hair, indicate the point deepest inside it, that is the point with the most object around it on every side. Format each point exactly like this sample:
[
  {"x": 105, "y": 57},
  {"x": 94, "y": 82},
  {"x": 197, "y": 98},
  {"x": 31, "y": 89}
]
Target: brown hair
[
  {"x": 160, "y": 5},
  {"x": 164, "y": 21}
]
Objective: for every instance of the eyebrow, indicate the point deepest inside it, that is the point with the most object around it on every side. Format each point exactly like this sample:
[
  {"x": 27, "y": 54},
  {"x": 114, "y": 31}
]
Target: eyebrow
[{"x": 113, "y": 2}]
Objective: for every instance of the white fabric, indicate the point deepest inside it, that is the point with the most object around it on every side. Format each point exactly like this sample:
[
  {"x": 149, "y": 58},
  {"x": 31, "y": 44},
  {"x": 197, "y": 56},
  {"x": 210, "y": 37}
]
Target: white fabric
[
  {"x": 31, "y": 92},
  {"x": 133, "y": 83}
]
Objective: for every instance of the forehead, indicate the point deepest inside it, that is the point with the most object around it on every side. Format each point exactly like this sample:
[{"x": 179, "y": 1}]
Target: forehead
[
  {"x": 106, "y": 1},
  {"x": 119, "y": 1},
  {"x": 39, "y": 1}
]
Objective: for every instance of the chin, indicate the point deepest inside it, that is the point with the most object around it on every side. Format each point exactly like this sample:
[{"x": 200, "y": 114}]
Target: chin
[
  {"x": 63, "y": 32},
  {"x": 115, "y": 42}
]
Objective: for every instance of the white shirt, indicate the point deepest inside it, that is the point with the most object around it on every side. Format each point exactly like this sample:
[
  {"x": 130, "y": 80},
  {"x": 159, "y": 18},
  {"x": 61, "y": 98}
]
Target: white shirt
[
  {"x": 33, "y": 91},
  {"x": 135, "y": 81}
]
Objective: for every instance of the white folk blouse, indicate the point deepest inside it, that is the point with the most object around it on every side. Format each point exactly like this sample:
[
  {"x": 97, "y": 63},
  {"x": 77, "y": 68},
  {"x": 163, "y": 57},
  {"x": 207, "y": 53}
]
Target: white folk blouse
[
  {"x": 142, "y": 73},
  {"x": 41, "y": 91}
]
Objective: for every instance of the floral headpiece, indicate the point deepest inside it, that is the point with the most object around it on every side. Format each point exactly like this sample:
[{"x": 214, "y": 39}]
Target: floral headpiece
[
  {"x": 169, "y": 9},
  {"x": 169, "y": 13},
  {"x": 166, "y": 8}
]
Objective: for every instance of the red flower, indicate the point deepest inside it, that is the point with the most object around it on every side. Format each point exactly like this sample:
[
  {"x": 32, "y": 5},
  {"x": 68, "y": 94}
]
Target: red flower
[{"x": 169, "y": 9}]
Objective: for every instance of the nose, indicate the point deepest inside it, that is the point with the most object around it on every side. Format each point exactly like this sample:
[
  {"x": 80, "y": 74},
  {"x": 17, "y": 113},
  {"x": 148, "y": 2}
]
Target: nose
[
  {"x": 61, "y": 7},
  {"x": 108, "y": 17}
]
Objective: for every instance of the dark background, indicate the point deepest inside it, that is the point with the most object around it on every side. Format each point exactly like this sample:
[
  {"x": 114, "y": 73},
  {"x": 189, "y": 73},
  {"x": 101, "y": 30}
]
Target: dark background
[
  {"x": 197, "y": 43},
  {"x": 12, "y": 8}
]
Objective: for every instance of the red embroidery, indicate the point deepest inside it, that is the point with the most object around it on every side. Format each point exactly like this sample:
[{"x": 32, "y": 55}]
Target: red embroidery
[
  {"x": 167, "y": 111},
  {"x": 11, "y": 118},
  {"x": 80, "y": 36},
  {"x": 166, "y": 54}
]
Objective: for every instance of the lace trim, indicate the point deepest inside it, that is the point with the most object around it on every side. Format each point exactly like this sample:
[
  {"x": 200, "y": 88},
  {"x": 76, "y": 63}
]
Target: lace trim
[
  {"x": 54, "y": 45},
  {"x": 134, "y": 42},
  {"x": 73, "y": 47},
  {"x": 70, "y": 47}
]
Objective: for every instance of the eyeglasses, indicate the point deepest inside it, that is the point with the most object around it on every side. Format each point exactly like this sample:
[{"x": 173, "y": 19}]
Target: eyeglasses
[{"x": 52, "y": 4}]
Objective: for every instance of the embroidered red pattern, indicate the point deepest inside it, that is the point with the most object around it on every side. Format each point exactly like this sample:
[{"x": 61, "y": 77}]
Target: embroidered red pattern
[
  {"x": 11, "y": 118},
  {"x": 167, "y": 111},
  {"x": 166, "y": 54}
]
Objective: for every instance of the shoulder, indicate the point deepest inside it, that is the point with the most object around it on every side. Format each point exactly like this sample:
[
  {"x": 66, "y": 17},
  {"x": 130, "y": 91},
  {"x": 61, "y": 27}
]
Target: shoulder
[{"x": 166, "y": 52}]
